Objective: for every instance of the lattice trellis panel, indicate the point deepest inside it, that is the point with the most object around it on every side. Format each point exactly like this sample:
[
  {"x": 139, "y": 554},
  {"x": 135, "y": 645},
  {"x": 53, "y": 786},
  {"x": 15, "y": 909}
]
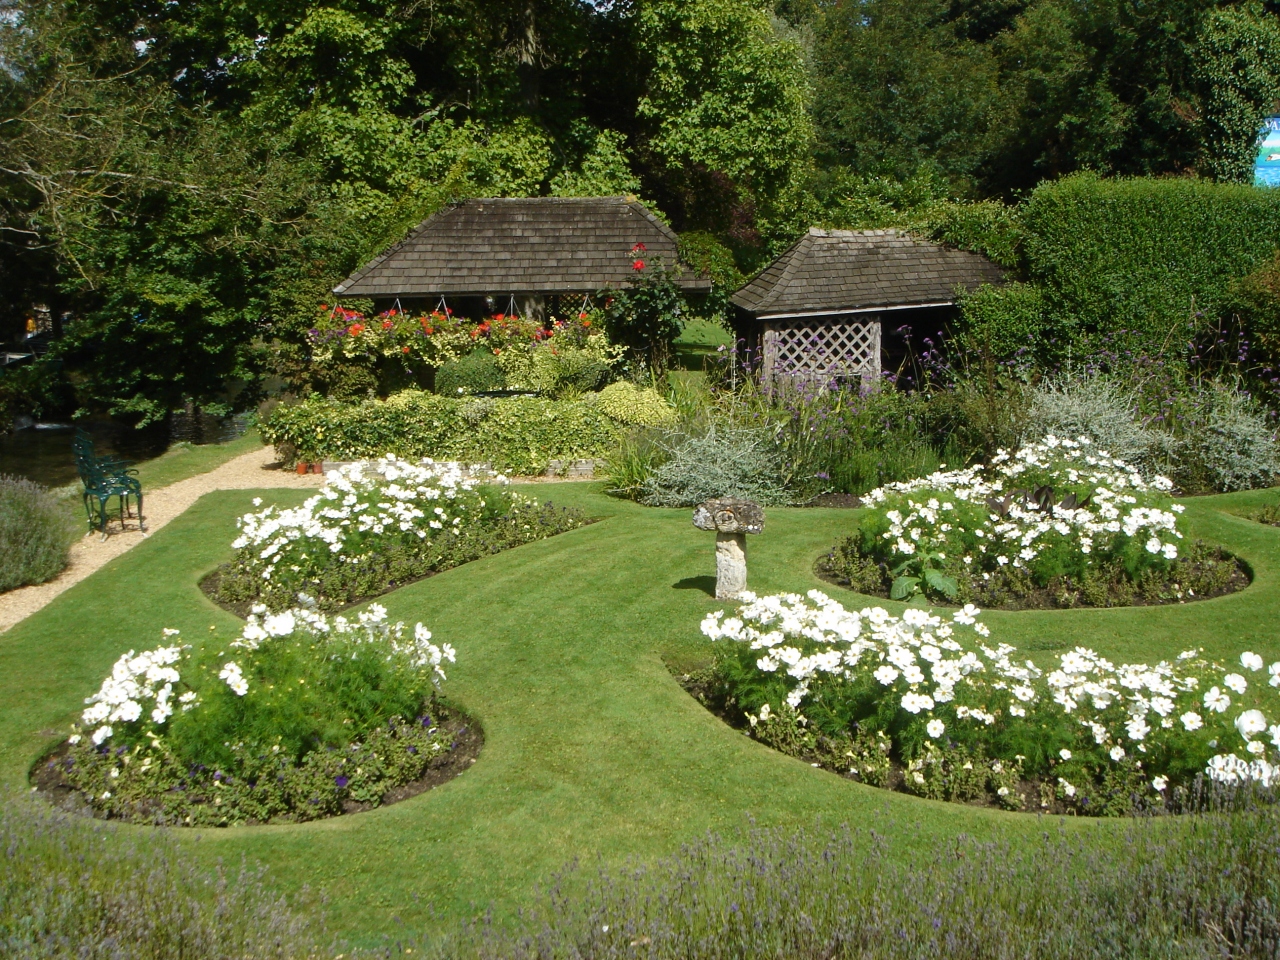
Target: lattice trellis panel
[{"x": 814, "y": 349}]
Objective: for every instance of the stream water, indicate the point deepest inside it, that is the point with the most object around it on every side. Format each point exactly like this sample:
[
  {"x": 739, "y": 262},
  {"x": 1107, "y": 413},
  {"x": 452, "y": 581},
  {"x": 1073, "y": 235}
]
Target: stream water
[{"x": 43, "y": 452}]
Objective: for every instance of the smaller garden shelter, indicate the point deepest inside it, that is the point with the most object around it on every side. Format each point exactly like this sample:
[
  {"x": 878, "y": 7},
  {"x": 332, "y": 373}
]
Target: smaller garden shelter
[
  {"x": 524, "y": 249},
  {"x": 817, "y": 311}
]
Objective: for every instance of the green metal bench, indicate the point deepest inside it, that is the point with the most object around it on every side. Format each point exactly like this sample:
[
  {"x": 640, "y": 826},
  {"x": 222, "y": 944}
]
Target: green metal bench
[{"x": 104, "y": 478}]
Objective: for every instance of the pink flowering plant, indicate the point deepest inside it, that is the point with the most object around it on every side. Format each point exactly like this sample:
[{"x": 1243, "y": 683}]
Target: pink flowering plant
[
  {"x": 292, "y": 719},
  {"x": 965, "y": 717}
]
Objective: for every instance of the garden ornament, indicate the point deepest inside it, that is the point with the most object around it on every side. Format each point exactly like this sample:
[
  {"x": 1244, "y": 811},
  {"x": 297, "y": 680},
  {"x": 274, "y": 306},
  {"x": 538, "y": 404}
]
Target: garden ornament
[{"x": 732, "y": 519}]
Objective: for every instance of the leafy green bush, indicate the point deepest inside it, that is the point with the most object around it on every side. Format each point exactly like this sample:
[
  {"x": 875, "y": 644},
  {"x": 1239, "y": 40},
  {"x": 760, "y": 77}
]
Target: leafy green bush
[
  {"x": 477, "y": 372},
  {"x": 723, "y": 462},
  {"x": 1004, "y": 322},
  {"x": 635, "y": 406},
  {"x": 36, "y": 531},
  {"x": 371, "y": 529},
  {"x": 290, "y": 720},
  {"x": 1146, "y": 256},
  {"x": 518, "y": 435},
  {"x": 71, "y": 888}
]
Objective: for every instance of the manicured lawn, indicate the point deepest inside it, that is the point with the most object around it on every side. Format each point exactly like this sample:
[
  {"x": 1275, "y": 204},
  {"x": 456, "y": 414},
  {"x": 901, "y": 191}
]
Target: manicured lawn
[{"x": 592, "y": 748}]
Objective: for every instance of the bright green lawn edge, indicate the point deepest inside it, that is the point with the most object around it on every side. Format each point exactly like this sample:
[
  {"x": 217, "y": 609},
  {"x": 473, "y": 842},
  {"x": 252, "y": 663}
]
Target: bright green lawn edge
[{"x": 592, "y": 749}]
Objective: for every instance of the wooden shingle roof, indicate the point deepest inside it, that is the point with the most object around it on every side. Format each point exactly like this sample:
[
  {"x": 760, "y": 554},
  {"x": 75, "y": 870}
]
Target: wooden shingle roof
[
  {"x": 536, "y": 245},
  {"x": 829, "y": 271}
]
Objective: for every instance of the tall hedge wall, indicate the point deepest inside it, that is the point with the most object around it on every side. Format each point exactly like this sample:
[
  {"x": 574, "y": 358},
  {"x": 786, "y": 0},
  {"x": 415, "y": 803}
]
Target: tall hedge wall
[
  {"x": 1143, "y": 255},
  {"x": 517, "y": 435}
]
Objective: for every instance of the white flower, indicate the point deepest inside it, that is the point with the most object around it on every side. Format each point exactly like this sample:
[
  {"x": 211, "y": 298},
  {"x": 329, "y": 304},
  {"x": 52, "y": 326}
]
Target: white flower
[
  {"x": 1216, "y": 700},
  {"x": 935, "y": 728},
  {"x": 1250, "y": 661},
  {"x": 102, "y": 733},
  {"x": 1256, "y": 747},
  {"x": 1191, "y": 720},
  {"x": 1251, "y": 722},
  {"x": 1064, "y": 753},
  {"x": 886, "y": 675},
  {"x": 915, "y": 702},
  {"x": 1067, "y": 788},
  {"x": 1235, "y": 682},
  {"x": 1159, "y": 783},
  {"x": 1117, "y": 753},
  {"x": 1154, "y": 545},
  {"x": 234, "y": 678}
]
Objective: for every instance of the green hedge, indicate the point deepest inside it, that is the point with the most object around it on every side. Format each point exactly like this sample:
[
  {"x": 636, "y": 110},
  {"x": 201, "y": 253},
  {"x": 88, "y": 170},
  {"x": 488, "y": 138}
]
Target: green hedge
[
  {"x": 519, "y": 435},
  {"x": 1144, "y": 255}
]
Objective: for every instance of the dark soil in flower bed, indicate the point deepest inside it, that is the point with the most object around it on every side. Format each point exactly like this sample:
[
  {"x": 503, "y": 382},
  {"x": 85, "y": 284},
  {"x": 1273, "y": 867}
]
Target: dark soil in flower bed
[
  {"x": 1204, "y": 572},
  {"x": 1025, "y": 796},
  {"x": 844, "y": 501},
  {"x": 49, "y": 777}
]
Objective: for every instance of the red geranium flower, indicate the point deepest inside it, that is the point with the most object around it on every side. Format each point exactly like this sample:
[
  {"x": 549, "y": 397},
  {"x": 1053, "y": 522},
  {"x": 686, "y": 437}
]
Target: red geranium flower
[
  {"x": 638, "y": 247},
  {"x": 356, "y": 329},
  {"x": 586, "y": 323},
  {"x": 404, "y": 349},
  {"x": 386, "y": 324},
  {"x": 638, "y": 265}
]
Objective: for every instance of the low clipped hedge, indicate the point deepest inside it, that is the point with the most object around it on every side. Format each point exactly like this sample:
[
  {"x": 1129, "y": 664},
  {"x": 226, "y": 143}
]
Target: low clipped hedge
[{"x": 519, "y": 435}]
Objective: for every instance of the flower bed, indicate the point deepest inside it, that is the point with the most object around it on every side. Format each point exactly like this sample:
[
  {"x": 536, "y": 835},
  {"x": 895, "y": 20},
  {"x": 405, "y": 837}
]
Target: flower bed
[
  {"x": 373, "y": 528},
  {"x": 519, "y": 435},
  {"x": 932, "y": 705},
  {"x": 298, "y": 718},
  {"x": 1058, "y": 523}
]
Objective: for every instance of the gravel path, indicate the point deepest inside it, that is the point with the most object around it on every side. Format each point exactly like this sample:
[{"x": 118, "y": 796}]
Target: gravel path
[{"x": 253, "y": 470}]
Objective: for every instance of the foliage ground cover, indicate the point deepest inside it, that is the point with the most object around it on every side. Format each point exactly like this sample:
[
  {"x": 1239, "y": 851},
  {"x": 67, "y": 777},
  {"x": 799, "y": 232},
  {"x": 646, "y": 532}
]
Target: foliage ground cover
[
  {"x": 1205, "y": 887},
  {"x": 1056, "y": 523},
  {"x": 591, "y": 748},
  {"x": 68, "y": 888},
  {"x": 374, "y": 527}
]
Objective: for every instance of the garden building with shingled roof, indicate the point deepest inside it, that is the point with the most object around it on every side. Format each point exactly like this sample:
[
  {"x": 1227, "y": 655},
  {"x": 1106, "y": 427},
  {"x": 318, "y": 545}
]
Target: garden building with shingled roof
[
  {"x": 530, "y": 254},
  {"x": 817, "y": 311}
]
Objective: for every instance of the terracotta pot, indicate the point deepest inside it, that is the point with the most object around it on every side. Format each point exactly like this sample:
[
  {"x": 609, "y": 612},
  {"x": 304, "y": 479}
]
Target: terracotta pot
[{"x": 302, "y": 468}]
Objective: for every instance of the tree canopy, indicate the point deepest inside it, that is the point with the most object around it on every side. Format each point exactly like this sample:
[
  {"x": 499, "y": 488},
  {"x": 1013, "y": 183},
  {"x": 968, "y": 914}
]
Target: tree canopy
[{"x": 184, "y": 180}]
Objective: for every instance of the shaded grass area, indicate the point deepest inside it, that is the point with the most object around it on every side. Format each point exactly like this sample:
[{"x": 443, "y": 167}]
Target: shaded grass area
[
  {"x": 184, "y": 460},
  {"x": 592, "y": 749}
]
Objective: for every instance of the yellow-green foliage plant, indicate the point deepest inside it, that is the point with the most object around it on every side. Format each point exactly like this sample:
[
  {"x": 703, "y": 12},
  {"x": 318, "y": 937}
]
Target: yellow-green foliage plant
[{"x": 636, "y": 406}]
